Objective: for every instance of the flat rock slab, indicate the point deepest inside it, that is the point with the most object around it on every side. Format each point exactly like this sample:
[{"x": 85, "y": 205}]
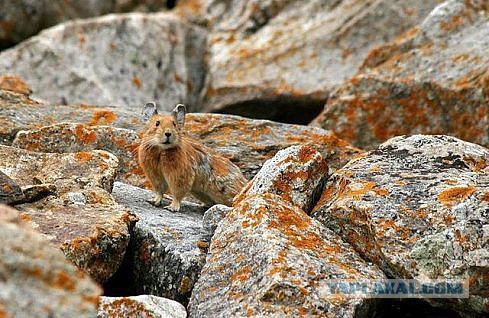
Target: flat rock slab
[
  {"x": 143, "y": 306},
  {"x": 10, "y": 191},
  {"x": 113, "y": 60},
  {"x": 280, "y": 59},
  {"x": 167, "y": 249},
  {"x": 69, "y": 137},
  {"x": 417, "y": 207},
  {"x": 37, "y": 280},
  {"x": 20, "y": 112},
  {"x": 80, "y": 216},
  {"x": 433, "y": 80}
]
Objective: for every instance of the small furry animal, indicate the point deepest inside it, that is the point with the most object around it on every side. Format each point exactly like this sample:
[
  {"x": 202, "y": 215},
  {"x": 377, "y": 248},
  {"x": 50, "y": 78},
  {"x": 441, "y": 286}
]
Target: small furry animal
[{"x": 174, "y": 162}]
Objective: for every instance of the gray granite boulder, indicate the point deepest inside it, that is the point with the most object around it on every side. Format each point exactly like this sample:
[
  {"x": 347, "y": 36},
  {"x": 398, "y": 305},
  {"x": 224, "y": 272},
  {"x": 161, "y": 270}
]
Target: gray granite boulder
[{"x": 143, "y": 306}]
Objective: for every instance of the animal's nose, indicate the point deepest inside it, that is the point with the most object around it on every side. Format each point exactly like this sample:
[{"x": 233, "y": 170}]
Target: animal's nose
[{"x": 168, "y": 134}]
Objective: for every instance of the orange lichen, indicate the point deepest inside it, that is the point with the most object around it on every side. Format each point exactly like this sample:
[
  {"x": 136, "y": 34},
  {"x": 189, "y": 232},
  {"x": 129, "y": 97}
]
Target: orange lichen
[
  {"x": 14, "y": 84},
  {"x": 185, "y": 285},
  {"x": 455, "y": 195},
  {"x": 83, "y": 156},
  {"x": 107, "y": 116},
  {"x": 64, "y": 281},
  {"x": 484, "y": 197},
  {"x": 241, "y": 274},
  {"x": 136, "y": 82},
  {"x": 85, "y": 135},
  {"x": 454, "y": 23}
]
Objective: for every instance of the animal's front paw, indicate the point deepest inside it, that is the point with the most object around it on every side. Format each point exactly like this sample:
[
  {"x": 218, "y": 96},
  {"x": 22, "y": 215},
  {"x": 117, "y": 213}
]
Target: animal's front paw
[
  {"x": 174, "y": 206},
  {"x": 157, "y": 200}
]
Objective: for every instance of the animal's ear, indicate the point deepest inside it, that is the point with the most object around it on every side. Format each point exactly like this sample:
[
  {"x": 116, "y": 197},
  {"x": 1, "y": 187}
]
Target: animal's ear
[
  {"x": 179, "y": 114},
  {"x": 149, "y": 110}
]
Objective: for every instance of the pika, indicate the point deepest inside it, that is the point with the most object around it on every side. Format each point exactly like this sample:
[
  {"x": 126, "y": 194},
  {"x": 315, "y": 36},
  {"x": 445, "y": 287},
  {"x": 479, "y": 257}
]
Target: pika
[{"x": 175, "y": 163}]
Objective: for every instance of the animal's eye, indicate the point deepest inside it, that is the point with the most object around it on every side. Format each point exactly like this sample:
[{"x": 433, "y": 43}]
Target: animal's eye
[
  {"x": 157, "y": 123},
  {"x": 174, "y": 124}
]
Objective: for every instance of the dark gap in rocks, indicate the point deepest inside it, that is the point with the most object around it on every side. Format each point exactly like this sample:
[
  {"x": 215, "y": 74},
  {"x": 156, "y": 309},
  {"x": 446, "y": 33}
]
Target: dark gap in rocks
[
  {"x": 170, "y": 4},
  {"x": 411, "y": 308},
  {"x": 122, "y": 283},
  {"x": 285, "y": 110}
]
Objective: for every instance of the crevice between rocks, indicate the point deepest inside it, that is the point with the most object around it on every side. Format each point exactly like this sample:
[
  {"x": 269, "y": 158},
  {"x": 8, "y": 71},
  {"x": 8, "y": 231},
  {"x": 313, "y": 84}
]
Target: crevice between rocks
[{"x": 287, "y": 110}]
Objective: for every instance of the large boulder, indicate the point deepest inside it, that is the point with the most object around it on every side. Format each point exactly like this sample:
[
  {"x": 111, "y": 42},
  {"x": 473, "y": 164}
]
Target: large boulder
[
  {"x": 36, "y": 280},
  {"x": 434, "y": 80},
  {"x": 418, "y": 208},
  {"x": 269, "y": 258},
  {"x": 167, "y": 249},
  {"x": 70, "y": 137},
  {"x": 143, "y": 306},
  {"x": 80, "y": 216},
  {"x": 45, "y": 13},
  {"x": 121, "y": 60},
  {"x": 280, "y": 59}
]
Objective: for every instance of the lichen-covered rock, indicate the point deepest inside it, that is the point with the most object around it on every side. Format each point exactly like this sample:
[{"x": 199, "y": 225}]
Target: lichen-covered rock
[
  {"x": 294, "y": 174},
  {"x": 14, "y": 84},
  {"x": 213, "y": 216},
  {"x": 434, "y": 80},
  {"x": 280, "y": 59},
  {"x": 81, "y": 216},
  {"x": 270, "y": 259},
  {"x": 121, "y": 60},
  {"x": 143, "y": 306},
  {"x": 10, "y": 191},
  {"x": 36, "y": 280},
  {"x": 417, "y": 207},
  {"x": 69, "y": 137},
  {"x": 19, "y": 112},
  {"x": 45, "y": 13},
  {"x": 167, "y": 249}
]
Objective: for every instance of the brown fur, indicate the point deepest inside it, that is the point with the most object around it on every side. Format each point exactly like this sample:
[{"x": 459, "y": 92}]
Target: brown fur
[{"x": 181, "y": 165}]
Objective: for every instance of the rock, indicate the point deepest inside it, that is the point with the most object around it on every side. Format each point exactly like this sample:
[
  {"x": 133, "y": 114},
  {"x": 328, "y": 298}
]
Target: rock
[
  {"x": 417, "y": 207},
  {"x": 42, "y": 14},
  {"x": 81, "y": 217},
  {"x": 144, "y": 306},
  {"x": 213, "y": 216},
  {"x": 37, "y": 281},
  {"x": 280, "y": 59},
  {"x": 167, "y": 249},
  {"x": 19, "y": 112},
  {"x": 268, "y": 259},
  {"x": 14, "y": 84},
  {"x": 69, "y": 137},
  {"x": 434, "y": 80},
  {"x": 294, "y": 174},
  {"x": 10, "y": 191},
  {"x": 121, "y": 60}
]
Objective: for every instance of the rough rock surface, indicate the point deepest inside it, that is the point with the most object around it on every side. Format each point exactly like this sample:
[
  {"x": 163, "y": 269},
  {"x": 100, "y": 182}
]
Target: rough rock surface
[
  {"x": 247, "y": 142},
  {"x": 36, "y": 280},
  {"x": 295, "y": 174},
  {"x": 121, "y": 60},
  {"x": 43, "y": 13},
  {"x": 68, "y": 137},
  {"x": 168, "y": 249},
  {"x": 10, "y": 191},
  {"x": 213, "y": 216},
  {"x": 434, "y": 80},
  {"x": 264, "y": 56},
  {"x": 269, "y": 258},
  {"x": 144, "y": 306},
  {"x": 19, "y": 112},
  {"x": 417, "y": 207},
  {"x": 81, "y": 216}
]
